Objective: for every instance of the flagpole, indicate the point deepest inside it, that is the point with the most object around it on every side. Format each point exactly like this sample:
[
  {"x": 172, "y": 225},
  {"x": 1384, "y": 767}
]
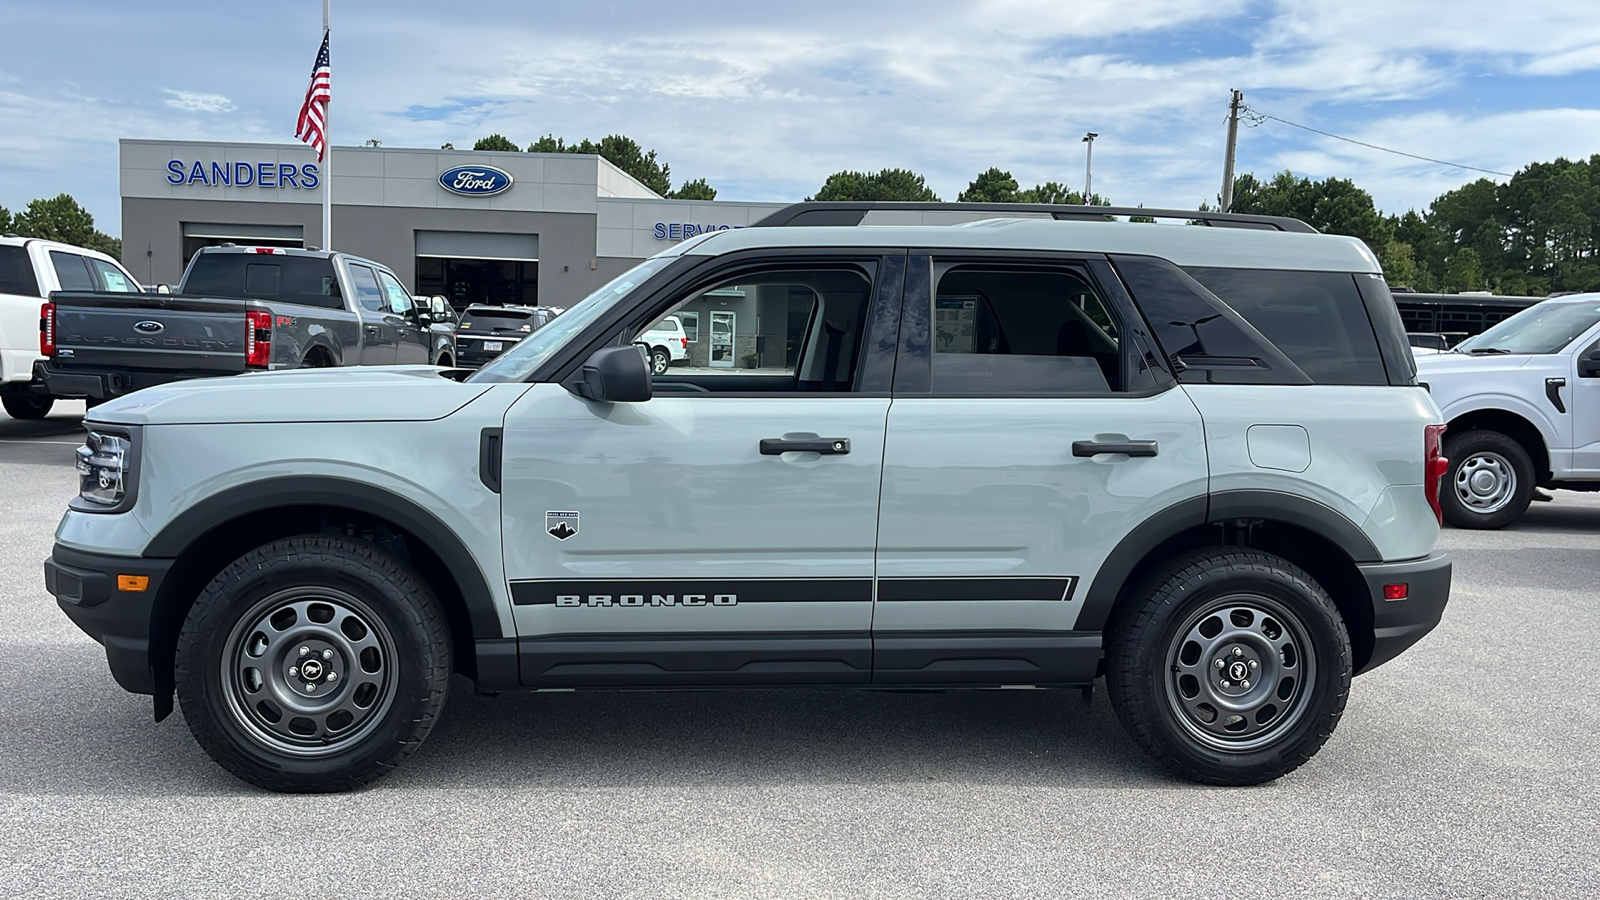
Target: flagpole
[{"x": 327, "y": 138}]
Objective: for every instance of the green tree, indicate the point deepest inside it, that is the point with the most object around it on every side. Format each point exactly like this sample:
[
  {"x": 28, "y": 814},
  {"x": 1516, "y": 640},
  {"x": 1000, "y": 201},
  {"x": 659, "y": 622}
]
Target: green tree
[
  {"x": 5, "y": 220},
  {"x": 61, "y": 219},
  {"x": 496, "y": 142},
  {"x": 993, "y": 186},
  {"x": 624, "y": 153},
  {"x": 1465, "y": 272},
  {"x": 1057, "y": 193},
  {"x": 694, "y": 190},
  {"x": 888, "y": 184}
]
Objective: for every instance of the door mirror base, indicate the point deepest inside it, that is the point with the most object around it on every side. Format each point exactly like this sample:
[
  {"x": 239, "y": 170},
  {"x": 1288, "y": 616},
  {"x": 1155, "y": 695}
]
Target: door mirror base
[{"x": 614, "y": 375}]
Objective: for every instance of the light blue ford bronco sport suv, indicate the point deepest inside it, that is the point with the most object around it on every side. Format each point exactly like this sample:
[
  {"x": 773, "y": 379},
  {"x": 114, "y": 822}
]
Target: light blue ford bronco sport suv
[{"x": 936, "y": 447}]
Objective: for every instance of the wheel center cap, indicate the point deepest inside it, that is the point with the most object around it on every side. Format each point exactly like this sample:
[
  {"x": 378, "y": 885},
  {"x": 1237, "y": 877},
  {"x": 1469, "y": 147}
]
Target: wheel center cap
[
  {"x": 1238, "y": 671},
  {"x": 1483, "y": 482},
  {"x": 311, "y": 669}
]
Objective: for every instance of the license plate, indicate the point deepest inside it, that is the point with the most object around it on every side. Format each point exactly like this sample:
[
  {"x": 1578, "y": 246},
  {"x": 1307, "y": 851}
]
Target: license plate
[{"x": 494, "y": 345}]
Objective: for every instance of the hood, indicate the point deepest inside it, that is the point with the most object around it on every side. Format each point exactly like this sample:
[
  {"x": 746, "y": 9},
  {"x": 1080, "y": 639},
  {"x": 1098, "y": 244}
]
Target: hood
[
  {"x": 1467, "y": 364},
  {"x": 354, "y": 394}
]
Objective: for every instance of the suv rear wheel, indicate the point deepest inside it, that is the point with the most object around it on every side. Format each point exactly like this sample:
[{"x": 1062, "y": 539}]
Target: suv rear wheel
[
  {"x": 313, "y": 664},
  {"x": 1491, "y": 480},
  {"x": 1230, "y": 666}
]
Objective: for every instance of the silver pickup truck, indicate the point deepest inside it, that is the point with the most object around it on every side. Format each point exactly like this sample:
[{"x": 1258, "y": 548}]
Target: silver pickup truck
[{"x": 237, "y": 309}]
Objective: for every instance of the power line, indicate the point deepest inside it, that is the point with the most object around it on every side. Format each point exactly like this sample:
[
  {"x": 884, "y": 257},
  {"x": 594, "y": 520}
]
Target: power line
[{"x": 1258, "y": 116}]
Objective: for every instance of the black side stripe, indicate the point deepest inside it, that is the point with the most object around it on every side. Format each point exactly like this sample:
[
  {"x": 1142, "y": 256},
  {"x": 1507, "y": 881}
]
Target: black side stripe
[
  {"x": 940, "y": 589},
  {"x": 800, "y": 590},
  {"x": 777, "y": 590}
]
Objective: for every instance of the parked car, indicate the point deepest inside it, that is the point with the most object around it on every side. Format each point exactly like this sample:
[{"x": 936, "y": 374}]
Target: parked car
[
  {"x": 238, "y": 309},
  {"x": 1522, "y": 401},
  {"x": 30, "y": 270},
  {"x": 668, "y": 343},
  {"x": 1194, "y": 460},
  {"x": 485, "y": 331}
]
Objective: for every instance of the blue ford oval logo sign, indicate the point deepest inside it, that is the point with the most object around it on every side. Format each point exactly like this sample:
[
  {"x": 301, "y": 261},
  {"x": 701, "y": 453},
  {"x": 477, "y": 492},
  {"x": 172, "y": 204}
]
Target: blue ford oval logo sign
[
  {"x": 475, "y": 181},
  {"x": 149, "y": 327}
]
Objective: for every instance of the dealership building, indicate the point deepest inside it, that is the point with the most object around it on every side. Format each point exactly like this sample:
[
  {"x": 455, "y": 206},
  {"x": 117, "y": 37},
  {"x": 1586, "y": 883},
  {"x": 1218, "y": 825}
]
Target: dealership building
[{"x": 475, "y": 227}]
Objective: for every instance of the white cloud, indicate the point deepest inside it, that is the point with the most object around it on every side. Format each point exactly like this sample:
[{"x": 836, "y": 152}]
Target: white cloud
[{"x": 190, "y": 101}]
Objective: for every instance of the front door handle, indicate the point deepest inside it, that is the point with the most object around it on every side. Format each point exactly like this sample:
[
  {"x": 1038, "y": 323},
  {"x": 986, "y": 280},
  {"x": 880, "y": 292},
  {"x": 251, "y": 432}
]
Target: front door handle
[
  {"x": 373, "y": 330},
  {"x": 825, "y": 446},
  {"x": 1127, "y": 448}
]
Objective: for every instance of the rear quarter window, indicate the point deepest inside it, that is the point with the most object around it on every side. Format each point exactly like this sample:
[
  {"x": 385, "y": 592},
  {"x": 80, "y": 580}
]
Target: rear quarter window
[
  {"x": 308, "y": 281},
  {"x": 1317, "y": 319}
]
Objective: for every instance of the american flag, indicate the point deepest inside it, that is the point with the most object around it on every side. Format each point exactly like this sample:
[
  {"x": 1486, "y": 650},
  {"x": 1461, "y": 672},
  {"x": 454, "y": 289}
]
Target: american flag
[{"x": 314, "y": 112}]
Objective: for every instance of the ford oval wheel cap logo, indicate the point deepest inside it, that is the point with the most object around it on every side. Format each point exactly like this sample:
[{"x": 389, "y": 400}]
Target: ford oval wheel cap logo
[
  {"x": 475, "y": 181},
  {"x": 149, "y": 327}
]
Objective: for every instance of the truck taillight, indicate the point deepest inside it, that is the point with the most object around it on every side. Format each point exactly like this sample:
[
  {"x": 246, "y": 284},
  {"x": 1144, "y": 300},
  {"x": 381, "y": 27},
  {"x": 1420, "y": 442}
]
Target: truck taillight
[
  {"x": 685, "y": 344},
  {"x": 1435, "y": 467},
  {"x": 47, "y": 330},
  {"x": 257, "y": 338}
]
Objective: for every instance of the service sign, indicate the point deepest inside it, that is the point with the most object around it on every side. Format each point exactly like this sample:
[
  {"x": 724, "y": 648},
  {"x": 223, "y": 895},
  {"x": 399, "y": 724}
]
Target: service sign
[{"x": 475, "y": 181}]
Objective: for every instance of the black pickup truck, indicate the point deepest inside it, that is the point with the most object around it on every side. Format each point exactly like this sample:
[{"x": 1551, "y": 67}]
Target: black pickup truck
[{"x": 237, "y": 309}]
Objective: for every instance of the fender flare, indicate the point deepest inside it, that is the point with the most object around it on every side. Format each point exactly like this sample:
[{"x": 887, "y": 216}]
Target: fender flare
[
  {"x": 1119, "y": 565},
  {"x": 308, "y": 490}
]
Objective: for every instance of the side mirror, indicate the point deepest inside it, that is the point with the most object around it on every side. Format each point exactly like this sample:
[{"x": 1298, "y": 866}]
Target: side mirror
[{"x": 615, "y": 375}]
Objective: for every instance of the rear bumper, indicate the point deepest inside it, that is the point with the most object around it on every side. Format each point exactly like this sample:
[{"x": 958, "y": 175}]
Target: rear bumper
[
  {"x": 1397, "y": 624},
  {"x": 105, "y": 384},
  {"x": 85, "y": 587}
]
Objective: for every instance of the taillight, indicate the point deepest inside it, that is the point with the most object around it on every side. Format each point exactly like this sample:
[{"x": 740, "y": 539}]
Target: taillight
[
  {"x": 257, "y": 338},
  {"x": 47, "y": 330},
  {"x": 1435, "y": 467},
  {"x": 685, "y": 344}
]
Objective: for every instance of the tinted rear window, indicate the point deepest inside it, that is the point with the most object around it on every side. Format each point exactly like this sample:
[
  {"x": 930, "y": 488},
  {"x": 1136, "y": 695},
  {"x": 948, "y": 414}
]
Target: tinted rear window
[
  {"x": 255, "y": 276},
  {"x": 16, "y": 273},
  {"x": 1316, "y": 318},
  {"x": 497, "y": 320}
]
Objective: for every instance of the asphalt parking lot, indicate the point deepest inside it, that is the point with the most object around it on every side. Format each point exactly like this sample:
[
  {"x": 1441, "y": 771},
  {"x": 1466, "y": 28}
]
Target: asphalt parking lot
[{"x": 1466, "y": 768}]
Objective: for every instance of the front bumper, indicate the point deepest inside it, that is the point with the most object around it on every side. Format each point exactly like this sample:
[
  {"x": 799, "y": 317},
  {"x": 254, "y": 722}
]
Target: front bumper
[
  {"x": 1397, "y": 624},
  {"x": 85, "y": 587}
]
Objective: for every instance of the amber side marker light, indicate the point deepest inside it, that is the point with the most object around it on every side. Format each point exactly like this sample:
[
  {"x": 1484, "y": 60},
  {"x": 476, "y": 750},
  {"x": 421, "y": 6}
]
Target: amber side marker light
[{"x": 134, "y": 583}]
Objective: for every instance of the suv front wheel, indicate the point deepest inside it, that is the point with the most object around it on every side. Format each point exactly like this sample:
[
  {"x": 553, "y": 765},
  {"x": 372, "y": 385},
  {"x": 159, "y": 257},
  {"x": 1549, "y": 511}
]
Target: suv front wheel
[
  {"x": 1230, "y": 666},
  {"x": 313, "y": 664}
]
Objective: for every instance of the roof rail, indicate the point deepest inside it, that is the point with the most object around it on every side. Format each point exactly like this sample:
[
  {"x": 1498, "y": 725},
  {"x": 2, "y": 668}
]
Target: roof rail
[{"x": 853, "y": 212}]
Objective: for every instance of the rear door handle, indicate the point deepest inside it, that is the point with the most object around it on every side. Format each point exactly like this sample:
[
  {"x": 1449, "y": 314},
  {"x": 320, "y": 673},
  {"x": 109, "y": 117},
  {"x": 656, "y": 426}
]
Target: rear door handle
[
  {"x": 825, "y": 446},
  {"x": 1129, "y": 448}
]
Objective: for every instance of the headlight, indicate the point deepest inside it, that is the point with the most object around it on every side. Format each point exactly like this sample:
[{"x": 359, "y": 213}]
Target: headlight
[{"x": 103, "y": 470}]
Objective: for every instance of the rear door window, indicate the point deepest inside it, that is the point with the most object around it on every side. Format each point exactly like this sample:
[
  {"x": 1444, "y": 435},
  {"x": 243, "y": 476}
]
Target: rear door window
[
  {"x": 16, "y": 272},
  {"x": 1317, "y": 319},
  {"x": 71, "y": 271}
]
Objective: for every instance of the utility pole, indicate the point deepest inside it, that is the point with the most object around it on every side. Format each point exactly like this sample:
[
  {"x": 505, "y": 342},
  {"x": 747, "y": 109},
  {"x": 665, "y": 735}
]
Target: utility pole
[
  {"x": 1233, "y": 141},
  {"x": 1088, "y": 166}
]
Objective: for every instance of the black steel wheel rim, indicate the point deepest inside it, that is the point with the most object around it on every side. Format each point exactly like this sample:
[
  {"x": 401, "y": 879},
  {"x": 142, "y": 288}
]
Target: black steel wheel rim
[
  {"x": 309, "y": 671},
  {"x": 1240, "y": 671}
]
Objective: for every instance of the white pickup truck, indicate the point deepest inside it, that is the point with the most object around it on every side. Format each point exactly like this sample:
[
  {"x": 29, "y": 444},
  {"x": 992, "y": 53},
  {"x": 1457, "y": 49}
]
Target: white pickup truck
[
  {"x": 30, "y": 269},
  {"x": 1522, "y": 402}
]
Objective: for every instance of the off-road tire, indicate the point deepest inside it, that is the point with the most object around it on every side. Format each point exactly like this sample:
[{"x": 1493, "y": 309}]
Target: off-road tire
[
  {"x": 20, "y": 405},
  {"x": 1476, "y": 445},
  {"x": 1142, "y": 681},
  {"x": 394, "y": 598}
]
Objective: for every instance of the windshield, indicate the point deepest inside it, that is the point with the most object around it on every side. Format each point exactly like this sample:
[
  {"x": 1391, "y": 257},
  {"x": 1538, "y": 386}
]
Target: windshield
[
  {"x": 1545, "y": 328},
  {"x": 519, "y": 362}
]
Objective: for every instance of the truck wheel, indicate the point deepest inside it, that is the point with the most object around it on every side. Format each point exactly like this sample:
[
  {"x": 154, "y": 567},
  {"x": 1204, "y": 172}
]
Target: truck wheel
[
  {"x": 1490, "y": 482},
  {"x": 660, "y": 361},
  {"x": 313, "y": 664},
  {"x": 22, "y": 405},
  {"x": 1229, "y": 666}
]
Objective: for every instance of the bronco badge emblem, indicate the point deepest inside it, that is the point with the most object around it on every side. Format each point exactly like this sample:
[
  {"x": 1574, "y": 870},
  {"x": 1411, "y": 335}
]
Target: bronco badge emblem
[{"x": 561, "y": 525}]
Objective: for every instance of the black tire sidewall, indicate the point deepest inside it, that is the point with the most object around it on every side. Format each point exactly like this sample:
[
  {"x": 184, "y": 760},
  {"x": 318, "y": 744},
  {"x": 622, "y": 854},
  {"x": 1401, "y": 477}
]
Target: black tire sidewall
[
  {"x": 1137, "y": 664},
  {"x": 660, "y": 361},
  {"x": 1458, "y": 449},
  {"x": 26, "y": 406},
  {"x": 402, "y": 604}
]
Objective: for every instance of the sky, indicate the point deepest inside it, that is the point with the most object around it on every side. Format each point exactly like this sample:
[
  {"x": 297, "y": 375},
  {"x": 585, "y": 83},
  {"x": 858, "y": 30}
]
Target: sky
[{"x": 766, "y": 99}]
